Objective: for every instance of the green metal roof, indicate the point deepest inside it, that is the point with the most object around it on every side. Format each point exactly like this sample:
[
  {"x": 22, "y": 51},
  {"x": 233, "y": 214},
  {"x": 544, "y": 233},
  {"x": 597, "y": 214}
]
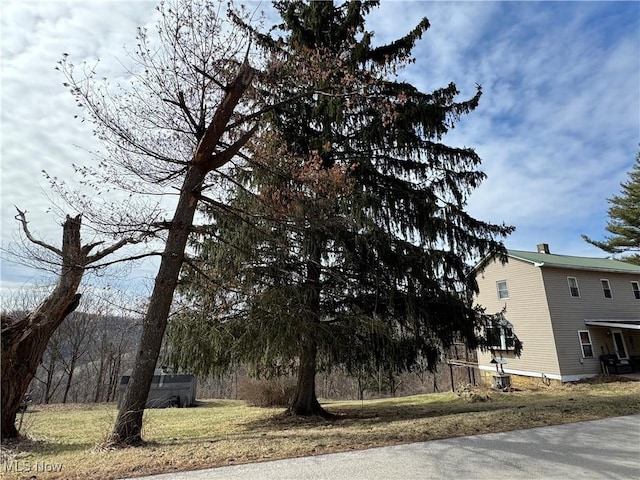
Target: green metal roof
[{"x": 579, "y": 263}]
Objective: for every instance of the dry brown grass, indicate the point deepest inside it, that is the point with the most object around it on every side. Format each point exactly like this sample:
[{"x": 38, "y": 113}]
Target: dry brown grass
[{"x": 224, "y": 432}]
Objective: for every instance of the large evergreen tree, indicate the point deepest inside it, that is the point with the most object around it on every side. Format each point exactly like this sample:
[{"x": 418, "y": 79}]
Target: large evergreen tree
[
  {"x": 624, "y": 219},
  {"x": 354, "y": 246}
]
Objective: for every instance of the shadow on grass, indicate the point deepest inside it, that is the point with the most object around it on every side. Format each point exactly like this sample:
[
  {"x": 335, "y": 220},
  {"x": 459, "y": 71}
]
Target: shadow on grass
[
  {"x": 387, "y": 413},
  {"x": 215, "y": 403},
  {"x": 40, "y": 447},
  {"x": 350, "y": 415}
]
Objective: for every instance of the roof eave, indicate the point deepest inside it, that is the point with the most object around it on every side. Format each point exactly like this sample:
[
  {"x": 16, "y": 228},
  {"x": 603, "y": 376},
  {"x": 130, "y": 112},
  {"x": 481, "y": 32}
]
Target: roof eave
[
  {"x": 480, "y": 265},
  {"x": 589, "y": 269}
]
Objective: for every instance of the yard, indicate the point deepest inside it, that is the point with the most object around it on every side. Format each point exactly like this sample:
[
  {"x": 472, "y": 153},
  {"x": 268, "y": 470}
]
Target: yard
[{"x": 67, "y": 441}]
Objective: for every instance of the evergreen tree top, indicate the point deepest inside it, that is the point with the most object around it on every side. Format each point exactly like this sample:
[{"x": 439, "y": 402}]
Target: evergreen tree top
[
  {"x": 323, "y": 24},
  {"x": 624, "y": 219},
  {"x": 355, "y": 237}
]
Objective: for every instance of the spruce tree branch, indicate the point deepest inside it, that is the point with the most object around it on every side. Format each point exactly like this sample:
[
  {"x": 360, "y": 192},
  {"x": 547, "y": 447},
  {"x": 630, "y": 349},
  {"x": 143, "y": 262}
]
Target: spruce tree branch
[
  {"x": 288, "y": 101},
  {"x": 241, "y": 214},
  {"x": 269, "y": 108},
  {"x": 217, "y": 204},
  {"x": 189, "y": 263}
]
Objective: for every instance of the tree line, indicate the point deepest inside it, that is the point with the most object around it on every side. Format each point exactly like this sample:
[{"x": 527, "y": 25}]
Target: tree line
[{"x": 85, "y": 359}]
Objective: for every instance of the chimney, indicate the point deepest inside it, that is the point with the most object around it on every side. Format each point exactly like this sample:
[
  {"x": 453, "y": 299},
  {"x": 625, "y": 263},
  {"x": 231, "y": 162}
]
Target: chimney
[{"x": 543, "y": 248}]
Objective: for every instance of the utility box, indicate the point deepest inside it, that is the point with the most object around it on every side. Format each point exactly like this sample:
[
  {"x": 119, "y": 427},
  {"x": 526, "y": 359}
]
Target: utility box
[
  {"x": 502, "y": 382},
  {"x": 167, "y": 389}
]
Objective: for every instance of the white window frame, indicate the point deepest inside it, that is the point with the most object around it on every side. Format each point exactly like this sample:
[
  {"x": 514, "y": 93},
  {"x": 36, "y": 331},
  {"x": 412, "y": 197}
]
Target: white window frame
[
  {"x": 607, "y": 288},
  {"x": 503, "y": 326},
  {"x": 572, "y": 287},
  {"x": 635, "y": 286},
  {"x": 614, "y": 333},
  {"x": 502, "y": 291},
  {"x": 582, "y": 344}
]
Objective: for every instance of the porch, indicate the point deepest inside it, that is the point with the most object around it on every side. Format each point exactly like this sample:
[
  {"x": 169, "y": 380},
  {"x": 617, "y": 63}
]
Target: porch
[{"x": 622, "y": 355}]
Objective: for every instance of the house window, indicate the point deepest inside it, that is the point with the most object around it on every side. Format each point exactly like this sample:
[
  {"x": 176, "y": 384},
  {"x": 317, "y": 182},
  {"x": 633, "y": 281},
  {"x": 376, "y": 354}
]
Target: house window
[
  {"x": 503, "y": 290},
  {"x": 606, "y": 288},
  {"x": 636, "y": 290},
  {"x": 500, "y": 335},
  {"x": 585, "y": 343},
  {"x": 573, "y": 286}
]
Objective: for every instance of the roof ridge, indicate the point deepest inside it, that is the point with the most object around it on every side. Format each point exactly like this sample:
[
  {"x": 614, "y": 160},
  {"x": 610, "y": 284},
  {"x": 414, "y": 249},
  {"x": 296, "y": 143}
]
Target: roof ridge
[
  {"x": 574, "y": 261},
  {"x": 562, "y": 255}
]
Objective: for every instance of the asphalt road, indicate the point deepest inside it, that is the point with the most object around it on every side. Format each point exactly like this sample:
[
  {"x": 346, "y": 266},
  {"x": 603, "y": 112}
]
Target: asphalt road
[{"x": 601, "y": 449}]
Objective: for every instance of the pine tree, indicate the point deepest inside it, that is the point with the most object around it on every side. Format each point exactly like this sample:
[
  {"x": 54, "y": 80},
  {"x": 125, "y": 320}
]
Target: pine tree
[
  {"x": 354, "y": 248},
  {"x": 624, "y": 219}
]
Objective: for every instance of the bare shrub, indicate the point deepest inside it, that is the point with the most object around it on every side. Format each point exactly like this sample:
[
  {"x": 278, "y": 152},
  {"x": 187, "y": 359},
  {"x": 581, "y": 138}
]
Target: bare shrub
[{"x": 274, "y": 392}]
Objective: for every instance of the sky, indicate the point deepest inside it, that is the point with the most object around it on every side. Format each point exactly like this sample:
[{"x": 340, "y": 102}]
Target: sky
[{"x": 557, "y": 128}]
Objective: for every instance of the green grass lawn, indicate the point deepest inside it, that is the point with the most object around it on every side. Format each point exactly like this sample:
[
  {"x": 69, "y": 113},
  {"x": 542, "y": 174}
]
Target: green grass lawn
[{"x": 224, "y": 432}]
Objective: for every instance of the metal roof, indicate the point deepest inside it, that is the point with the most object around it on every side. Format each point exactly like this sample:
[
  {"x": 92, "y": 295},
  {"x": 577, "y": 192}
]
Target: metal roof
[
  {"x": 579, "y": 263},
  {"x": 614, "y": 323}
]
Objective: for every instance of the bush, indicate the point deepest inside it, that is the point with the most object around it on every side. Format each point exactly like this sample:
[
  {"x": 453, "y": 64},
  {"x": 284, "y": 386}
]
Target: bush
[{"x": 275, "y": 392}]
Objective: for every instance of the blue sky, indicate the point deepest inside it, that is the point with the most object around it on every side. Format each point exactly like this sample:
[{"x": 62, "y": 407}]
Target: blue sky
[{"x": 557, "y": 128}]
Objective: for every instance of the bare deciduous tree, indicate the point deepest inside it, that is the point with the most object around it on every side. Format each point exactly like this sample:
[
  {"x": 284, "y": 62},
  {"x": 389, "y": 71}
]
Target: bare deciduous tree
[
  {"x": 77, "y": 331},
  {"x": 25, "y": 337},
  {"x": 110, "y": 354},
  {"x": 195, "y": 99},
  {"x": 49, "y": 375}
]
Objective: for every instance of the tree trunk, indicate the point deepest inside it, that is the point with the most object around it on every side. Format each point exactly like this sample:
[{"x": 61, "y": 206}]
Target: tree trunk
[
  {"x": 49, "y": 388},
  {"x": 305, "y": 401},
  {"x": 24, "y": 341},
  {"x": 102, "y": 365},
  {"x": 100, "y": 379},
  {"x": 72, "y": 367},
  {"x": 128, "y": 426},
  {"x": 114, "y": 377},
  {"x": 78, "y": 332}
]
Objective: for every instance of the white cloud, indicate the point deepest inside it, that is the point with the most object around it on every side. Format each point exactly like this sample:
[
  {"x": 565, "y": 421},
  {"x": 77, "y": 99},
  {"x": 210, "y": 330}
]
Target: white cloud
[
  {"x": 557, "y": 126},
  {"x": 38, "y": 128}
]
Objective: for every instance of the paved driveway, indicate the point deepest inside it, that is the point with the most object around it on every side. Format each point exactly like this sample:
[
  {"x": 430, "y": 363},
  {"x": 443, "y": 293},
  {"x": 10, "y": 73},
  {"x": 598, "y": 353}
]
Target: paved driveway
[{"x": 600, "y": 449}]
